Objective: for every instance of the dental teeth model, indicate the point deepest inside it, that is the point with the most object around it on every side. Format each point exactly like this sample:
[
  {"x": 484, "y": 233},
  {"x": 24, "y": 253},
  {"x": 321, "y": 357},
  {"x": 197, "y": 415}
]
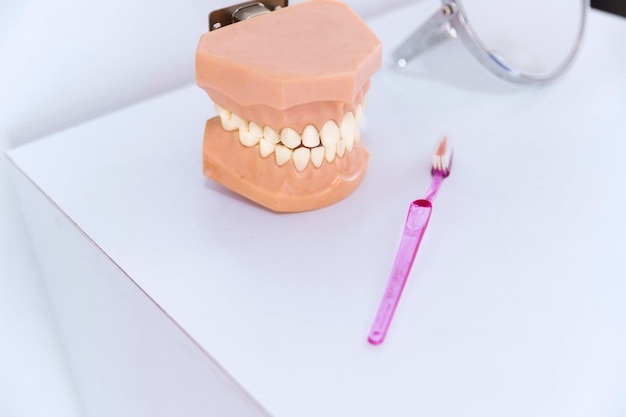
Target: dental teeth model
[
  {"x": 289, "y": 90},
  {"x": 310, "y": 146}
]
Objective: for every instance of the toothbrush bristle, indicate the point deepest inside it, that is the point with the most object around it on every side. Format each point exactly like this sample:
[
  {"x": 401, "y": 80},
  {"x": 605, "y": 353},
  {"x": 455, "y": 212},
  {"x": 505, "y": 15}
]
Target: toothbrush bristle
[{"x": 442, "y": 157}]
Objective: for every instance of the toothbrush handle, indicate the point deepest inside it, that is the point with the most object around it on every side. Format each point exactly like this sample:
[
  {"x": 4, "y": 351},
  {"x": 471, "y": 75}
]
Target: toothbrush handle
[{"x": 414, "y": 228}]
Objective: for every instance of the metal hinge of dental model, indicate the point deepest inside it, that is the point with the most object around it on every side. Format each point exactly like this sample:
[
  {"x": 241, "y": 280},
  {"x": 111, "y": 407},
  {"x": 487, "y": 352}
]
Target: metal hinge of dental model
[{"x": 243, "y": 11}]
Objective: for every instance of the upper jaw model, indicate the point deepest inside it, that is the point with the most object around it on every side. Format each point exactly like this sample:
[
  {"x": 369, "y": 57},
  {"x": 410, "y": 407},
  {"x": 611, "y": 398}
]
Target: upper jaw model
[{"x": 289, "y": 89}]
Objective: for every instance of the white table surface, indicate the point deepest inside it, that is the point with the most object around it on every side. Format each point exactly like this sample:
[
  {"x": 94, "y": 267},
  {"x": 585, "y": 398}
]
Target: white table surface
[{"x": 515, "y": 305}]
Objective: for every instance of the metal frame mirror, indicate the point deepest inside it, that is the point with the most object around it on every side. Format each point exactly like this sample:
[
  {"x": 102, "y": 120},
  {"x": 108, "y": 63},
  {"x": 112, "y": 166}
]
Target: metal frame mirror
[{"x": 523, "y": 41}]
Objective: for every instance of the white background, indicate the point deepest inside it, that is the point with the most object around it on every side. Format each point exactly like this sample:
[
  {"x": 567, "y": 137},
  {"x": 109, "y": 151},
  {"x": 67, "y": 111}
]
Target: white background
[{"x": 63, "y": 62}]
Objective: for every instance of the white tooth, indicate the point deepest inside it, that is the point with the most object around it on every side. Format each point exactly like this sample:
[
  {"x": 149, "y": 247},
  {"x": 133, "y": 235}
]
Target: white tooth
[
  {"x": 317, "y": 156},
  {"x": 349, "y": 144},
  {"x": 358, "y": 117},
  {"x": 364, "y": 102},
  {"x": 255, "y": 129},
  {"x": 241, "y": 123},
  {"x": 250, "y": 135},
  {"x": 266, "y": 148},
  {"x": 290, "y": 138},
  {"x": 301, "y": 158},
  {"x": 228, "y": 124},
  {"x": 222, "y": 112},
  {"x": 341, "y": 148},
  {"x": 283, "y": 154},
  {"x": 270, "y": 135},
  {"x": 347, "y": 130},
  {"x": 310, "y": 137},
  {"x": 331, "y": 151},
  {"x": 330, "y": 133},
  {"x": 247, "y": 138},
  {"x": 235, "y": 122}
]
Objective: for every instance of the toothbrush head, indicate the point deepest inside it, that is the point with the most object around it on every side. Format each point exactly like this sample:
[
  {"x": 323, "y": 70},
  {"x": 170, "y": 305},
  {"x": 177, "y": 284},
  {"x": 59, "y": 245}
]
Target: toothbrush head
[{"x": 442, "y": 158}]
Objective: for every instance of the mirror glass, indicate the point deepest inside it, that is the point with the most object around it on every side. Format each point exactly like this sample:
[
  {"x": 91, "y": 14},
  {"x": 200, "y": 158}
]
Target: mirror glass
[
  {"x": 535, "y": 37},
  {"x": 518, "y": 40}
]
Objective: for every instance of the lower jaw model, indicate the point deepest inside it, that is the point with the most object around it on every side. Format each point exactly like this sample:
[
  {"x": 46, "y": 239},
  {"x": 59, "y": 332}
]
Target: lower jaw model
[{"x": 293, "y": 143}]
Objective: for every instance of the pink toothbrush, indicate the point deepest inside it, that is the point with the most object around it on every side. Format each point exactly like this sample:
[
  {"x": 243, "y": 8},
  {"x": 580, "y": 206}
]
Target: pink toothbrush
[{"x": 414, "y": 228}]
